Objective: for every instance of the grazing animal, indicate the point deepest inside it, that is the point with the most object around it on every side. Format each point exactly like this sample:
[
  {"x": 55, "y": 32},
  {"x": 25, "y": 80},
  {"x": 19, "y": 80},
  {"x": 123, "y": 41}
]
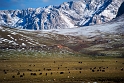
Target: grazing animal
[
  {"x": 21, "y": 75},
  {"x": 100, "y": 67},
  {"x": 79, "y": 71},
  {"x": 93, "y": 70},
  {"x": 94, "y": 67},
  {"x": 122, "y": 69},
  {"x": 31, "y": 73},
  {"x": 29, "y": 70},
  {"x": 34, "y": 74},
  {"x": 61, "y": 72},
  {"x": 18, "y": 73},
  {"x": 5, "y": 72},
  {"x": 79, "y": 62},
  {"x": 80, "y": 68},
  {"x": 13, "y": 76},
  {"x": 103, "y": 70},
  {"x": 54, "y": 79},
  {"x": 40, "y": 74}
]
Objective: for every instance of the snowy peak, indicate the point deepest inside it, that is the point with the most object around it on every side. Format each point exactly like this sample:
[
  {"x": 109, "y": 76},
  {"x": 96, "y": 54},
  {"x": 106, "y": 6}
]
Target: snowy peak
[
  {"x": 67, "y": 15},
  {"x": 99, "y": 7}
]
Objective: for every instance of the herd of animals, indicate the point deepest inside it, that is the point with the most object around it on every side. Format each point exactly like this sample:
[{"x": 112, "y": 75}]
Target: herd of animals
[{"x": 33, "y": 71}]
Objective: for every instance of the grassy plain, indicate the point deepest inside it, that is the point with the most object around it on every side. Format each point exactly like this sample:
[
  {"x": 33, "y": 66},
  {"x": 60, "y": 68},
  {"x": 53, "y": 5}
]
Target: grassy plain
[{"x": 70, "y": 69}]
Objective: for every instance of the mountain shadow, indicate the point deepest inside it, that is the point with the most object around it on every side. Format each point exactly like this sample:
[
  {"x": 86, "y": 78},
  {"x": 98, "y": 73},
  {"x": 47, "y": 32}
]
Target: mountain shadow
[{"x": 120, "y": 10}]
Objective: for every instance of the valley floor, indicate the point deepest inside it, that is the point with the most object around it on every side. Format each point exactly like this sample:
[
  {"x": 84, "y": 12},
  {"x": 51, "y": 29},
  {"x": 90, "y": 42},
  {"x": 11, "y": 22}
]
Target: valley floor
[{"x": 62, "y": 70}]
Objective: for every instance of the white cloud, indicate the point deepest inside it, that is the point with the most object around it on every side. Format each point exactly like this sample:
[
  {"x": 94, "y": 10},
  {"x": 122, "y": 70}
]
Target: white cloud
[{"x": 45, "y": 0}]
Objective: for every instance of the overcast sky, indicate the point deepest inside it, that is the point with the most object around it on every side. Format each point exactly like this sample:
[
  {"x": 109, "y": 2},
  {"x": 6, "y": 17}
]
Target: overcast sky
[{"x": 23, "y": 4}]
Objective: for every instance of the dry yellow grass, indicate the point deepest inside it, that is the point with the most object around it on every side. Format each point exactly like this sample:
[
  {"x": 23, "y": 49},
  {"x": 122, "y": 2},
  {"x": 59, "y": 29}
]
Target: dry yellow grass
[{"x": 73, "y": 69}]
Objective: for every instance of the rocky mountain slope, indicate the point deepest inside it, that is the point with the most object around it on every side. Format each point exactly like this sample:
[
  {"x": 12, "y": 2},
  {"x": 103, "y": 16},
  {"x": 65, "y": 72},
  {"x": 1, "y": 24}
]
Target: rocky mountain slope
[
  {"x": 67, "y": 15},
  {"x": 103, "y": 40}
]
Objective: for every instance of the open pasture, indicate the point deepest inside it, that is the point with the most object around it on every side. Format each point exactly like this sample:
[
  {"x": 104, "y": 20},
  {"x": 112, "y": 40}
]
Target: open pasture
[{"x": 62, "y": 70}]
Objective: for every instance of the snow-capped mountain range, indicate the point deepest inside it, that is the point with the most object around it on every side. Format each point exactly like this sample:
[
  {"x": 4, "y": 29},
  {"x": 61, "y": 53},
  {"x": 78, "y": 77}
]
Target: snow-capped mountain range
[{"x": 67, "y": 15}]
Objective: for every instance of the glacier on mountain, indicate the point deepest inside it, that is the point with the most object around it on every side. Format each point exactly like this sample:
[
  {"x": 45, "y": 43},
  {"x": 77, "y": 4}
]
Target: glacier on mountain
[{"x": 67, "y": 15}]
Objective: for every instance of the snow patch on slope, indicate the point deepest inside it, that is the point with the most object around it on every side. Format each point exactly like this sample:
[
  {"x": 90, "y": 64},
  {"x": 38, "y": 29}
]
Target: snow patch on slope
[
  {"x": 89, "y": 31},
  {"x": 71, "y": 25},
  {"x": 107, "y": 13}
]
